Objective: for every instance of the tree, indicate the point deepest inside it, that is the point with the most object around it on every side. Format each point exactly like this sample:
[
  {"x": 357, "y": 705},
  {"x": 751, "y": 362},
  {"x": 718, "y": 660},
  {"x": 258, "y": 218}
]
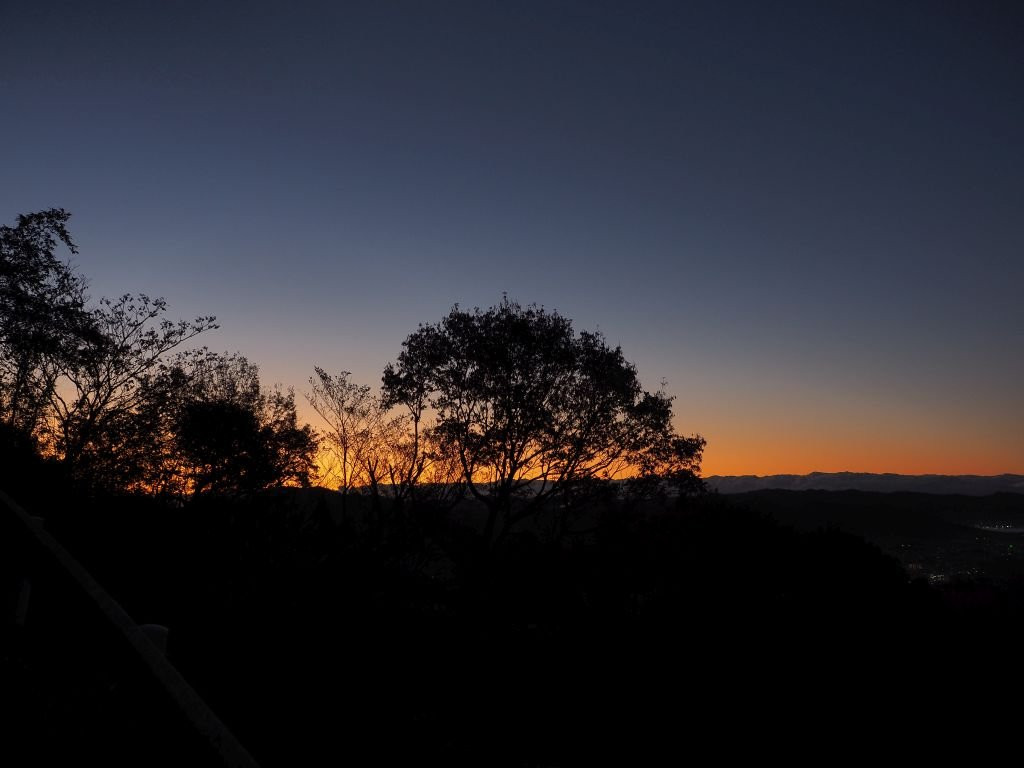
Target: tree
[
  {"x": 530, "y": 408},
  {"x": 233, "y": 436},
  {"x": 205, "y": 425},
  {"x": 93, "y": 388},
  {"x": 351, "y": 413},
  {"x": 370, "y": 446},
  {"x": 43, "y": 319},
  {"x": 405, "y": 462},
  {"x": 99, "y": 385}
]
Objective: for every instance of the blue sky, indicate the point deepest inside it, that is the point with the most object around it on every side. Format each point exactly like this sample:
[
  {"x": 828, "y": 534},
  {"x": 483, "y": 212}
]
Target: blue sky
[{"x": 807, "y": 218}]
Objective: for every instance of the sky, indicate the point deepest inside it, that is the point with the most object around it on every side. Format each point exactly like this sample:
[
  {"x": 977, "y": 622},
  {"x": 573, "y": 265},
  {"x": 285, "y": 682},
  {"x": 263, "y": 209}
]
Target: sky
[{"x": 806, "y": 218}]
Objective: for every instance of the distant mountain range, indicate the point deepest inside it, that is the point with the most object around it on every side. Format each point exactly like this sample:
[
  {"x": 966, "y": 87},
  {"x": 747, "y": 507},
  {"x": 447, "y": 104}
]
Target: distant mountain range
[{"x": 967, "y": 485}]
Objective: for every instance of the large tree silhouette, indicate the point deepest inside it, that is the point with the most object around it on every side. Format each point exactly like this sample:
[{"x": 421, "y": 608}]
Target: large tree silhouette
[
  {"x": 43, "y": 320},
  {"x": 530, "y": 407},
  {"x": 100, "y": 386},
  {"x": 96, "y": 387},
  {"x": 206, "y": 425}
]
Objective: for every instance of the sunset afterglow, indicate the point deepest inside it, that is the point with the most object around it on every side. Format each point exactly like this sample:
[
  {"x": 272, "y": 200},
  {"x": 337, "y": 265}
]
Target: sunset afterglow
[
  {"x": 523, "y": 383},
  {"x": 819, "y": 255}
]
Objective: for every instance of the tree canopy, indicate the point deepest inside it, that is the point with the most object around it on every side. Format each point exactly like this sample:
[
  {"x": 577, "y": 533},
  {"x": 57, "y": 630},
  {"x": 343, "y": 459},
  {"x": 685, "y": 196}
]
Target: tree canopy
[
  {"x": 231, "y": 435},
  {"x": 509, "y": 403},
  {"x": 111, "y": 391},
  {"x": 43, "y": 319},
  {"x": 103, "y": 379},
  {"x": 530, "y": 407}
]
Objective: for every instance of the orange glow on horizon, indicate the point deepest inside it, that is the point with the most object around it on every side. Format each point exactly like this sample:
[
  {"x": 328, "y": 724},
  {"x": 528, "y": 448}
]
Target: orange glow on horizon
[
  {"x": 795, "y": 458},
  {"x": 758, "y": 443},
  {"x": 801, "y": 454}
]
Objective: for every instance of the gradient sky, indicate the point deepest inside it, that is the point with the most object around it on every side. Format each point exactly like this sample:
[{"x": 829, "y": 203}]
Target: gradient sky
[{"x": 807, "y": 217}]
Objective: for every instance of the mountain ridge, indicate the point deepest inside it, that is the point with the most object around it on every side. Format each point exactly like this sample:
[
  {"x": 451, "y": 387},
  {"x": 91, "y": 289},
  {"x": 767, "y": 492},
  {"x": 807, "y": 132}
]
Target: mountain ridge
[{"x": 966, "y": 485}]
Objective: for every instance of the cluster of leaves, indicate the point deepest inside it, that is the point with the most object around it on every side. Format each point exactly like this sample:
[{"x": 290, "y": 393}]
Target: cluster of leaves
[
  {"x": 509, "y": 404},
  {"x": 529, "y": 409},
  {"x": 102, "y": 380},
  {"x": 42, "y": 315},
  {"x": 95, "y": 389},
  {"x": 203, "y": 424}
]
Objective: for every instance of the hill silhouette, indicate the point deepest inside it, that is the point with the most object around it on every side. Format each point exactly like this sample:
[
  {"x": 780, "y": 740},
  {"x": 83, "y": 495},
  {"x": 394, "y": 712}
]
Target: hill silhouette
[
  {"x": 968, "y": 485},
  {"x": 940, "y": 537}
]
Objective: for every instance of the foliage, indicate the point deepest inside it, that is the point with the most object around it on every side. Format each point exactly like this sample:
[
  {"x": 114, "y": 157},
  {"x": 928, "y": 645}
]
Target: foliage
[
  {"x": 509, "y": 403},
  {"x": 529, "y": 407},
  {"x": 92, "y": 387},
  {"x": 42, "y": 315},
  {"x": 99, "y": 387},
  {"x": 217, "y": 430}
]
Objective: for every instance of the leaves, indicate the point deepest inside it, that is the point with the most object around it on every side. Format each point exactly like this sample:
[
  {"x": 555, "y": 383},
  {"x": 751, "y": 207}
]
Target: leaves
[
  {"x": 99, "y": 383},
  {"x": 42, "y": 314},
  {"x": 530, "y": 407},
  {"x": 203, "y": 424}
]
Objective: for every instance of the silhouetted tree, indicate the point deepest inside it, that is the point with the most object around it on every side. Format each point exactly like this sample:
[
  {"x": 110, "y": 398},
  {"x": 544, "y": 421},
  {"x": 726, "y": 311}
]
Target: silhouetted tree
[
  {"x": 99, "y": 387},
  {"x": 42, "y": 315},
  {"x": 372, "y": 448},
  {"x": 404, "y": 462},
  {"x": 352, "y": 415},
  {"x": 529, "y": 407},
  {"x": 223, "y": 432}
]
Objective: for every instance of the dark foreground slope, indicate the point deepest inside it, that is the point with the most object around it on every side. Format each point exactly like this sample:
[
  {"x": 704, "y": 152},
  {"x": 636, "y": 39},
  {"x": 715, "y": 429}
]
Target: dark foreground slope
[
  {"x": 386, "y": 635},
  {"x": 960, "y": 485},
  {"x": 943, "y": 538}
]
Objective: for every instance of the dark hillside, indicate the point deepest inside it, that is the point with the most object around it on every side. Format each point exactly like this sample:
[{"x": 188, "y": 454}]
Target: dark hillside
[
  {"x": 388, "y": 634},
  {"x": 941, "y": 537}
]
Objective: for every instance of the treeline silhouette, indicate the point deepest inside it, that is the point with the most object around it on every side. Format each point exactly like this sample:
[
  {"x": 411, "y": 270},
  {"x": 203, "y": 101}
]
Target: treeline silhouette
[{"x": 516, "y": 563}]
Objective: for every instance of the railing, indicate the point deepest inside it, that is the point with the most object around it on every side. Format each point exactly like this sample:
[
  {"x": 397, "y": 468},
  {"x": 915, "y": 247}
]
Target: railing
[{"x": 83, "y": 683}]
